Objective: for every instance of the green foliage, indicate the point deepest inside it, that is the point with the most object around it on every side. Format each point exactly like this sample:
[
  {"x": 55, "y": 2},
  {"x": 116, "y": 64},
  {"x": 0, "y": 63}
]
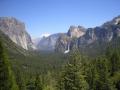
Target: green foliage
[
  {"x": 30, "y": 84},
  {"x": 72, "y": 77},
  {"x": 7, "y": 79},
  {"x": 38, "y": 83},
  {"x": 20, "y": 79},
  {"x": 49, "y": 81},
  {"x": 114, "y": 66},
  {"x": 115, "y": 62},
  {"x": 78, "y": 73},
  {"x": 102, "y": 75},
  {"x": 81, "y": 73},
  {"x": 42, "y": 82}
]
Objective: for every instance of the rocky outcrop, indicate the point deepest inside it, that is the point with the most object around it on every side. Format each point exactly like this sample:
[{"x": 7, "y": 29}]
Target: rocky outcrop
[
  {"x": 62, "y": 43},
  {"x": 16, "y": 32},
  {"x": 48, "y": 43},
  {"x": 76, "y": 32},
  {"x": 79, "y": 37},
  {"x": 104, "y": 33},
  {"x": 68, "y": 41}
]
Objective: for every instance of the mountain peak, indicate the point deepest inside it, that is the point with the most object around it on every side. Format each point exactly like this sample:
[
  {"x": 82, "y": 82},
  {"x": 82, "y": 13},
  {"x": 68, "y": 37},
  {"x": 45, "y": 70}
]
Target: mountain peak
[
  {"x": 16, "y": 31},
  {"x": 117, "y": 20},
  {"x": 76, "y": 31},
  {"x": 11, "y": 20}
]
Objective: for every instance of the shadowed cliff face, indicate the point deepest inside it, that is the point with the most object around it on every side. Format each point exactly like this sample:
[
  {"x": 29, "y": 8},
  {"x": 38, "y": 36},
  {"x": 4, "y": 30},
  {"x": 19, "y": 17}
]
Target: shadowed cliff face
[
  {"x": 104, "y": 33},
  {"x": 48, "y": 43},
  {"x": 70, "y": 38},
  {"x": 16, "y": 32},
  {"x": 76, "y": 32},
  {"x": 59, "y": 41},
  {"x": 76, "y": 37},
  {"x": 79, "y": 37}
]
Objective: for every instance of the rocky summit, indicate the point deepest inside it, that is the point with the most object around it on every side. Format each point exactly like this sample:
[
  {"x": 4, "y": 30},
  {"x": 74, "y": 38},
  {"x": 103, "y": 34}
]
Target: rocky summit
[
  {"x": 47, "y": 43},
  {"x": 16, "y": 31},
  {"x": 78, "y": 37},
  {"x": 104, "y": 33},
  {"x": 59, "y": 41},
  {"x": 76, "y": 32}
]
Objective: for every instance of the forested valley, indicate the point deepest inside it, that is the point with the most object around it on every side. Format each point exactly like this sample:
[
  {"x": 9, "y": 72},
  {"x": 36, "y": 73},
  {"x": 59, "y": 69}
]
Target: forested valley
[{"x": 73, "y": 71}]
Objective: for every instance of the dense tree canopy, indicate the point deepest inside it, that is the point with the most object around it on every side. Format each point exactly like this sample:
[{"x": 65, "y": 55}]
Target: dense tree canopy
[{"x": 7, "y": 79}]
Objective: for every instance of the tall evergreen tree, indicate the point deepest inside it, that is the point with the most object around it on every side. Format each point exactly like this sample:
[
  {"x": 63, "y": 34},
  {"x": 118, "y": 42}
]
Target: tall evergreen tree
[
  {"x": 20, "y": 79},
  {"x": 72, "y": 77},
  {"x": 30, "y": 83},
  {"x": 7, "y": 79},
  {"x": 90, "y": 75},
  {"x": 102, "y": 81},
  {"x": 38, "y": 83},
  {"x": 114, "y": 60},
  {"x": 49, "y": 81}
]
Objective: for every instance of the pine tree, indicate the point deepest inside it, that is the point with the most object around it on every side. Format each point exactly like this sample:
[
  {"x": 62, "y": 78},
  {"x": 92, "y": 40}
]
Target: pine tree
[
  {"x": 102, "y": 75},
  {"x": 20, "y": 79},
  {"x": 115, "y": 62},
  {"x": 113, "y": 57},
  {"x": 72, "y": 77},
  {"x": 115, "y": 68},
  {"x": 90, "y": 75},
  {"x": 30, "y": 84},
  {"x": 49, "y": 81},
  {"x": 38, "y": 83},
  {"x": 7, "y": 79}
]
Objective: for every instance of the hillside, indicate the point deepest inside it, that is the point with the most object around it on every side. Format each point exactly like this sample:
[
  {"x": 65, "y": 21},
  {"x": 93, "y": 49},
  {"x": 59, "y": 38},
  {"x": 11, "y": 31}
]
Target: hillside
[{"x": 31, "y": 62}]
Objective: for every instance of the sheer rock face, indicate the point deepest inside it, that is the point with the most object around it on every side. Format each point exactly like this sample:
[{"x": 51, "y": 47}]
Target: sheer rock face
[
  {"x": 76, "y": 32},
  {"x": 104, "y": 33},
  {"x": 48, "y": 43},
  {"x": 69, "y": 39},
  {"x": 78, "y": 37},
  {"x": 62, "y": 43},
  {"x": 16, "y": 32}
]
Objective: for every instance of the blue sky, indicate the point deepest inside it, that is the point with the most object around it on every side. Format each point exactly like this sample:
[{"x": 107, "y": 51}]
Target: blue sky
[{"x": 52, "y": 16}]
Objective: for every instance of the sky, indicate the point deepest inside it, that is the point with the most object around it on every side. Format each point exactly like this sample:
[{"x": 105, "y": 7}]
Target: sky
[{"x": 54, "y": 16}]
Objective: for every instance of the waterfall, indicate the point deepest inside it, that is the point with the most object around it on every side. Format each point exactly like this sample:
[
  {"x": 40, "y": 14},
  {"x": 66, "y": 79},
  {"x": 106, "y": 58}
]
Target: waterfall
[{"x": 68, "y": 49}]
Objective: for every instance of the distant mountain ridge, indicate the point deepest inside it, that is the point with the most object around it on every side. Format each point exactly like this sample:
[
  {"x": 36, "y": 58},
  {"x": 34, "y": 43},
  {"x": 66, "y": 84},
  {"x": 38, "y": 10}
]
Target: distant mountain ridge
[
  {"x": 47, "y": 43},
  {"x": 50, "y": 43},
  {"x": 76, "y": 32},
  {"x": 105, "y": 33},
  {"x": 77, "y": 36}
]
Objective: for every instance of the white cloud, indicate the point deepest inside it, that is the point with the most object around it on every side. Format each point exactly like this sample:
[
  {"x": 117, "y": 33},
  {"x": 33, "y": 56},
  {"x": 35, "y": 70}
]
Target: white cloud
[{"x": 45, "y": 35}]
